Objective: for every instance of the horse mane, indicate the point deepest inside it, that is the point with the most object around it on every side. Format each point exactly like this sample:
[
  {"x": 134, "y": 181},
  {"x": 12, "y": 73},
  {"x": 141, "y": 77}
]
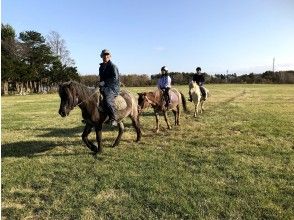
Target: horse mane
[
  {"x": 76, "y": 89},
  {"x": 83, "y": 91}
]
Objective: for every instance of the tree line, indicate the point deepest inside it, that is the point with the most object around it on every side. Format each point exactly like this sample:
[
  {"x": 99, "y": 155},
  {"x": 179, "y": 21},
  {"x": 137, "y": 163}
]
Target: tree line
[
  {"x": 182, "y": 78},
  {"x": 31, "y": 63}
]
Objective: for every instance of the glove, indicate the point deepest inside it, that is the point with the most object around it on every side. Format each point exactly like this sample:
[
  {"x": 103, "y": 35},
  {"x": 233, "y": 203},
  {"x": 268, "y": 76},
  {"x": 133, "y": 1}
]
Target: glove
[{"x": 102, "y": 83}]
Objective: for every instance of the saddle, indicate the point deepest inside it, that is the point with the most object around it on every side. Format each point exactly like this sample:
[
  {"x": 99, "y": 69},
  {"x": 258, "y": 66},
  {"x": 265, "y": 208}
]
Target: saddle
[{"x": 119, "y": 103}]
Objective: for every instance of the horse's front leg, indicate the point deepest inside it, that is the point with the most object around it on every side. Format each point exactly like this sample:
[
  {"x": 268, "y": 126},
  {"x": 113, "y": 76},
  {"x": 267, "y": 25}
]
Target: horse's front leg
[
  {"x": 196, "y": 109},
  {"x": 86, "y": 132},
  {"x": 121, "y": 129},
  {"x": 98, "y": 130},
  {"x": 166, "y": 120},
  {"x": 157, "y": 121}
]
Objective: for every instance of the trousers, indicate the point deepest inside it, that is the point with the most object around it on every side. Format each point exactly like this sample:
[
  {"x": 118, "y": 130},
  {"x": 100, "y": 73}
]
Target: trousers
[{"x": 108, "y": 102}]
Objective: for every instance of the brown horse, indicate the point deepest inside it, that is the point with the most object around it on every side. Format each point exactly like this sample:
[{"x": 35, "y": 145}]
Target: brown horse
[
  {"x": 74, "y": 94},
  {"x": 156, "y": 101}
]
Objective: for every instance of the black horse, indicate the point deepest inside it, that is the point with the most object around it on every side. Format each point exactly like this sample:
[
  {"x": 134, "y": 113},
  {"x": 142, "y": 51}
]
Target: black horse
[{"x": 74, "y": 94}]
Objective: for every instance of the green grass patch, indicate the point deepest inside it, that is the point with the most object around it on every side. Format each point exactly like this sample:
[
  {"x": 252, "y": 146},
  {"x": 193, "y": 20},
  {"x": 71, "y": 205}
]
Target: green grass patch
[{"x": 235, "y": 161}]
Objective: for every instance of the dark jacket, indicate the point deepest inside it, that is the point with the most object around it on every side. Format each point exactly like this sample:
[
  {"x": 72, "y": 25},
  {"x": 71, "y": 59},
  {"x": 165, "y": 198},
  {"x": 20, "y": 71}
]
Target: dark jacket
[
  {"x": 199, "y": 79},
  {"x": 109, "y": 74}
]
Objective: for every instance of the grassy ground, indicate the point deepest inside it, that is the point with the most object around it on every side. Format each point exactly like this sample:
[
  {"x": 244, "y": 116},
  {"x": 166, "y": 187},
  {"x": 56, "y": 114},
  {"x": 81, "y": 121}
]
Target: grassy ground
[{"x": 235, "y": 161}]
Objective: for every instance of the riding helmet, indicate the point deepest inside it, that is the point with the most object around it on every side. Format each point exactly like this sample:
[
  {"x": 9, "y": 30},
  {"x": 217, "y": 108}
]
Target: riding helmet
[{"x": 164, "y": 68}]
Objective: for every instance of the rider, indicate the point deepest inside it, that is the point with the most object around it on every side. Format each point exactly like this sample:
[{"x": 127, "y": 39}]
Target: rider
[
  {"x": 198, "y": 77},
  {"x": 164, "y": 83},
  {"x": 109, "y": 85}
]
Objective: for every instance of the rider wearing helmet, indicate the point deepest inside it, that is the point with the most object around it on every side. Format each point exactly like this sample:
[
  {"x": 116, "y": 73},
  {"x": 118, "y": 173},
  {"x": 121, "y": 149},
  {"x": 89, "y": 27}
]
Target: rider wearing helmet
[
  {"x": 164, "y": 83},
  {"x": 198, "y": 77}
]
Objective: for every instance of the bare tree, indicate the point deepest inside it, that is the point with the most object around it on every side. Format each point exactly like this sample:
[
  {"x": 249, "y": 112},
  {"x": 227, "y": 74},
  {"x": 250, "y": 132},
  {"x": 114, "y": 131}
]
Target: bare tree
[{"x": 58, "y": 47}]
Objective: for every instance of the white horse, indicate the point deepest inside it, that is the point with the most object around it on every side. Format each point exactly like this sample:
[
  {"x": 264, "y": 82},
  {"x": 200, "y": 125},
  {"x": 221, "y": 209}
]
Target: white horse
[{"x": 197, "y": 97}]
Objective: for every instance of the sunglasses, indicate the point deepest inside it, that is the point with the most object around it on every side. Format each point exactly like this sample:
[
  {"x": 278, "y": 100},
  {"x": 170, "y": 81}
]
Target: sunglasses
[{"x": 105, "y": 54}]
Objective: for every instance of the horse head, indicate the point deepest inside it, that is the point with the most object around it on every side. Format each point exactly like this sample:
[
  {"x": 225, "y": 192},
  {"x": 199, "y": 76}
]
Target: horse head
[
  {"x": 143, "y": 101},
  {"x": 68, "y": 96}
]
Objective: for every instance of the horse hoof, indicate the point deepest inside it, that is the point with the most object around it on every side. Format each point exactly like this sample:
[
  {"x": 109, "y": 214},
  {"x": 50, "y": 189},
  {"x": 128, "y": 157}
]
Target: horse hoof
[{"x": 94, "y": 153}]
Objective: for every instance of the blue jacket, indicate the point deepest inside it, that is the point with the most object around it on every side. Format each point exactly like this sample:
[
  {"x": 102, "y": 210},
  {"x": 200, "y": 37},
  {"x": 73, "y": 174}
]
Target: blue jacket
[
  {"x": 164, "y": 82},
  {"x": 110, "y": 76}
]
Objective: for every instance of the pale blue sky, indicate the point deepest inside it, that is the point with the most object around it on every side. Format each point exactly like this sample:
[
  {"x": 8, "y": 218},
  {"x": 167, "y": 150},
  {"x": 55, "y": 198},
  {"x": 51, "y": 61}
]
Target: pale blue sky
[{"x": 218, "y": 35}]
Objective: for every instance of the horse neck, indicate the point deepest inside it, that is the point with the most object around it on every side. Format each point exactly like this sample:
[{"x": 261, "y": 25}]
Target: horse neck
[
  {"x": 86, "y": 94},
  {"x": 195, "y": 85},
  {"x": 154, "y": 97}
]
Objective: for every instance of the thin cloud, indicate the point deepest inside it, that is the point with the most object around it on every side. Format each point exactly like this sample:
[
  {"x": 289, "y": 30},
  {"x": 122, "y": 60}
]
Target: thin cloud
[{"x": 159, "y": 48}]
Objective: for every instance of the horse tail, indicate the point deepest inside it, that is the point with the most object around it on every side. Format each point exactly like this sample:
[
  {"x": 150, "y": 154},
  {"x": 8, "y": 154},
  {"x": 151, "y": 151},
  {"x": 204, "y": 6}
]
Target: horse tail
[{"x": 184, "y": 103}]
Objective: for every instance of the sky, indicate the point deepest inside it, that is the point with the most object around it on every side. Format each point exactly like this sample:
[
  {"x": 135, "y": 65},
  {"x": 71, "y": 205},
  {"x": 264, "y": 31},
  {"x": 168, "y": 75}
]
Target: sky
[{"x": 220, "y": 36}]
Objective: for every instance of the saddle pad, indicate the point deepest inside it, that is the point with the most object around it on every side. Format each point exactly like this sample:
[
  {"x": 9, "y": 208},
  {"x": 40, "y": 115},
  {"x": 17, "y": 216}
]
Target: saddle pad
[{"x": 120, "y": 103}]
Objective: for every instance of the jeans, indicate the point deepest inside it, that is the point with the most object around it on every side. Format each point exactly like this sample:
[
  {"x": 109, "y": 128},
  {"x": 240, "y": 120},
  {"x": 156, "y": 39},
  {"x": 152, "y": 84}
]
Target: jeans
[{"x": 108, "y": 102}]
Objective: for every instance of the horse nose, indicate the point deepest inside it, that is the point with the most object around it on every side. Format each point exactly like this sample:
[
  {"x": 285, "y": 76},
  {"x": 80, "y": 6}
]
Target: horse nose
[{"x": 62, "y": 113}]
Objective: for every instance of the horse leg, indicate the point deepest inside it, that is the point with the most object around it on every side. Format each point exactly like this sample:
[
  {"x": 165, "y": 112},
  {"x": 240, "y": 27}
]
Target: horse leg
[
  {"x": 175, "y": 115},
  {"x": 98, "y": 130},
  {"x": 121, "y": 129},
  {"x": 136, "y": 125},
  {"x": 178, "y": 114},
  {"x": 157, "y": 121},
  {"x": 196, "y": 109},
  {"x": 202, "y": 104},
  {"x": 90, "y": 145},
  {"x": 165, "y": 118}
]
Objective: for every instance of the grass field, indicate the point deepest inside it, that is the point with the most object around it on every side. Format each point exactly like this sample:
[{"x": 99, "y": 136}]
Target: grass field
[{"x": 235, "y": 161}]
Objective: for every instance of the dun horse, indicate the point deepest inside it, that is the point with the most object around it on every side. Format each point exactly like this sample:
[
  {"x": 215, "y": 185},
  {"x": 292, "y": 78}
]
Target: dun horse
[
  {"x": 156, "y": 101},
  {"x": 74, "y": 94},
  {"x": 197, "y": 97}
]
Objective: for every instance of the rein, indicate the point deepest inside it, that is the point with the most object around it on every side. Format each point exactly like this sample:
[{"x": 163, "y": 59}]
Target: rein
[{"x": 87, "y": 98}]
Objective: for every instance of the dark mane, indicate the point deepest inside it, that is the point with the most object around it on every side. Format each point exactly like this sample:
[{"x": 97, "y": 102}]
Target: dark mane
[
  {"x": 84, "y": 91},
  {"x": 75, "y": 88}
]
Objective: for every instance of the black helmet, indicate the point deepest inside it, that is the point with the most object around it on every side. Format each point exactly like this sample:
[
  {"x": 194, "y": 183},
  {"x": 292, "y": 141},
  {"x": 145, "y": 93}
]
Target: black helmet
[
  {"x": 164, "y": 69},
  {"x": 198, "y": 69}
]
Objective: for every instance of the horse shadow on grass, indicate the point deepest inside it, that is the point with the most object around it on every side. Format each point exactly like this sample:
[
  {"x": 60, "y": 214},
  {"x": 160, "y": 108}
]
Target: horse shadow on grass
[
  {"x": 76, "y": 131},
  {"x": 26, "y": 148},
  {"x": 32, "y": 148}
]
